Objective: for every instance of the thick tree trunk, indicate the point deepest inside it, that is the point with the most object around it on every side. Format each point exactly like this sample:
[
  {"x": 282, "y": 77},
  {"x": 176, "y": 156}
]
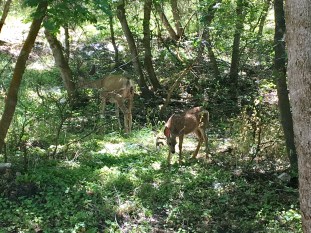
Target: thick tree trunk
[
  {"x": 298, "y": 41},
  {"x": 132, "y": 46},
  {"x": 235, "y": 57},
  {"x": 11, "y": 99},
  {"x": 280, "y": 76},
  {"x": 146, "y": 41},
  {"x": 5, "y": 13},
  {"x": 177, "y": 19},
  {"x": 62, "y": 63}
]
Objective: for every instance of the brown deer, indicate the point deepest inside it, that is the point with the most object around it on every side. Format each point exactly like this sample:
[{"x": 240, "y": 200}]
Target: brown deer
[
  {"x": 178, "y": 125},
  {"x": 115, "y": 89}
]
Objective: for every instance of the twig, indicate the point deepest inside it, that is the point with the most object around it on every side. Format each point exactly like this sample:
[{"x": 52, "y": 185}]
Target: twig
[
  {"x": 188, "y": 21},
  {"x": 172, "y": 89}
]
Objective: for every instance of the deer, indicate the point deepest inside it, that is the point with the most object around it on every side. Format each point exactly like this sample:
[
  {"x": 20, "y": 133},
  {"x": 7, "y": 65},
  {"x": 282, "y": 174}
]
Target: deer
[
  {"x": 116, "y": 89},
  {"x": 194, "y": 120}
]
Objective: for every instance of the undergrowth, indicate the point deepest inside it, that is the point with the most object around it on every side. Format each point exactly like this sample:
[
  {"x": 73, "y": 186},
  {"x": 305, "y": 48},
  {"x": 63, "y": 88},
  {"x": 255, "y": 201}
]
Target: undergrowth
[{"x": 123, "y": 184}]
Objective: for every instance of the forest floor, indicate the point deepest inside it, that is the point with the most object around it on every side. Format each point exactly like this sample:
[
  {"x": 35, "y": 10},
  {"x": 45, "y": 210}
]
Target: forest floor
[
  {"x": 117, "y": 184},
  {"x": 89, "y": 179}
]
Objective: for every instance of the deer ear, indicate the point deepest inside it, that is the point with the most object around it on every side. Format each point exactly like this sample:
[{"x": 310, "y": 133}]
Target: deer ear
[{"x": 167, "y": 132}]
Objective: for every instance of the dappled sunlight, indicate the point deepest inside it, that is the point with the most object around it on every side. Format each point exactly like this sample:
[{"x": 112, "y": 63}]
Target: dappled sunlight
[
  {"x": 40, "y": 66},
  {"x": 156, "y": 165},
  {"x": 109, "y": 171},
  {"x": 71, "y": 163},
  {"x": 113, "y": 148},
  {"x": 12, "y": 34}
]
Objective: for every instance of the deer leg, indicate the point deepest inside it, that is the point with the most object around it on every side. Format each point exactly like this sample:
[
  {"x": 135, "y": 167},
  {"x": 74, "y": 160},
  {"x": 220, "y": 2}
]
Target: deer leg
[
  {"x": 127, "y": 120},
  {"x": 181, "y": 138},
  {"x": 125, "y": 117},
  {"x": 200, "y": 139},
  {"x": 206, "y": 143},
  {"x": 126, "y": 123},
  {"x": 130, "y": 107},
  {"x": 118, "y": 115},
  {"x": 203, "y": 129},
  {"x": 127, "y": 112},
  {"x": 120, "y": 102}
]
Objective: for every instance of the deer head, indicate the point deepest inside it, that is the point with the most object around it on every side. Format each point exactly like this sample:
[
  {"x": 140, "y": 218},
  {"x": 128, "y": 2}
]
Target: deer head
[{"x": 171, "y": 137}]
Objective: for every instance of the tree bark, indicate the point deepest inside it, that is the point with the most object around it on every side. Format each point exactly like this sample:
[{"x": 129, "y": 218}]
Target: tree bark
[
  {"x": 165, "y": 22},
  {"x": 235, "y": 57},
  {"x": 177, "y": 19},
  {"x": 62, "y": 63},
  {"x": 146, "y": 41},
  {"x": 263, "y": 18},
  {"x": 280, "y": 77},
  {"x": 67, "y": 43},
  {"x": 208, "y": 16},
  {"x": 132, "y": 47},
  {"x": 11, "y": 99},
  {"x": 113, "y": 41},
  {"x": 298, "y": 41},
  {"x": 5, "y": 13}
]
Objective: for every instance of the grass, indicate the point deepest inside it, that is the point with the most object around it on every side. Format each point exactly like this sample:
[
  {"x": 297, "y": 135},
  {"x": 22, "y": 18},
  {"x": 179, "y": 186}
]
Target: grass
[{"x": 124, "y": 185}]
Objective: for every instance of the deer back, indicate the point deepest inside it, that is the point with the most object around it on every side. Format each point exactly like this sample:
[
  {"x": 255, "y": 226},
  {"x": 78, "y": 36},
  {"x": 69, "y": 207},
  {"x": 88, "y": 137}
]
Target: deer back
[
  {"x": 186, "y": 122},
  {"x": 117, "y": 84}
]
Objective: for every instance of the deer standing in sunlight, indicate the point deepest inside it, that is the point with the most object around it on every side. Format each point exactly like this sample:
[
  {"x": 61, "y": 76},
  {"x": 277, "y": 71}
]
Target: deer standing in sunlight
[
  {"x": 115, "y": 89},
  {"x": 178, "y": 125}
]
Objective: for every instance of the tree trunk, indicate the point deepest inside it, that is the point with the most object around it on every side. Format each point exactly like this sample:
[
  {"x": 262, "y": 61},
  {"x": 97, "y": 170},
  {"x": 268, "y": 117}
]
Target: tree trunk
[
  {"x": 67, "y": 43},
  {"x": 63, "y": 65},
  {"x": 177, "y": 19},
  {"x": 146, "y": 41},
  {"x": 113, "y": 41},
  {"x": 165, "y": 22},
  {"x": 211, "y": 54},
  {"x": 5, "y": 13},
  {"x": 207, "y": 17},
  {"x": 235, "y": 57},
  {"x": 263, "y": 17},
  {"x": 298, "y": 41},
  {"x": 132, "y": 46},
  {"x": 280, "y": 76},
  {"x": 11, "y": 99}
]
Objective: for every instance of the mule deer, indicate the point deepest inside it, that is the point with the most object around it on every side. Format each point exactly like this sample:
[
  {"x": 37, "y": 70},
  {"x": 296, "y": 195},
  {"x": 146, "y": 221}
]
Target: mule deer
[
  {"x": 178, "y": 125},
  {"x": 115, "y": 89}
]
